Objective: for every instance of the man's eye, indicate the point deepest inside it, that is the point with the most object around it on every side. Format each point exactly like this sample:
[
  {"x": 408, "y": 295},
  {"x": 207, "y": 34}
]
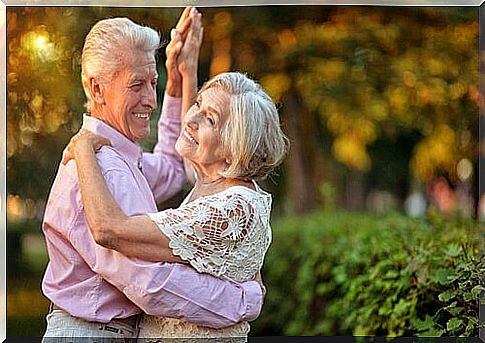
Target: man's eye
[
  {"x": 154, "y": 84},
  {"x": 211, "y": 121},
  {"x": 135, "y": 86}
]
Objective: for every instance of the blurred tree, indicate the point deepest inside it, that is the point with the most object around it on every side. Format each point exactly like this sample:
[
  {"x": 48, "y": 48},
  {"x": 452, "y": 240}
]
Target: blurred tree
[
  {"x": 367, "y": 76},
  {"x": 45, "y": 97},
  {"x": 353, "y": 84}
]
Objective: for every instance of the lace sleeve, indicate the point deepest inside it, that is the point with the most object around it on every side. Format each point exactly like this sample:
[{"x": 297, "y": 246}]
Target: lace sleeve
[{"x": 219, "y": 235}]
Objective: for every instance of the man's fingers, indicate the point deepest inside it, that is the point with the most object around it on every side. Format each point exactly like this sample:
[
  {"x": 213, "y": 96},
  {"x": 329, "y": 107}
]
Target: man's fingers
[
  {"x": 184, "y": 27},
  {"x": 175, "y": 37},
  {"x": 184, "y": 22},
  {"x": 178, "y": 47},
  {"x": 174, "y": 51},
  {"x": 185, "y": 14},
  {"x": 67, "y": 157},
  {"x": 174, "y": 47}
]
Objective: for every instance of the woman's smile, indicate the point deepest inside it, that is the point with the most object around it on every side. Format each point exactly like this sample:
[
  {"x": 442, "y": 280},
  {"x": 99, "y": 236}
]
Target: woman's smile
[
  {"x": 188, "y": 137},
  {"x": 200, "y": 138}
]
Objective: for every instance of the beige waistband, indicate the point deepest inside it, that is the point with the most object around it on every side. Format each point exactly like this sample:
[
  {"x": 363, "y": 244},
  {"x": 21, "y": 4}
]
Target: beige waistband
[{"x": 132, "y": 320}]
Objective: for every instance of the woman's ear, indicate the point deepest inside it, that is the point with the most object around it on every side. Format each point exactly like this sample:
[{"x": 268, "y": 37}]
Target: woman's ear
[{"x": 96, "y": 90}]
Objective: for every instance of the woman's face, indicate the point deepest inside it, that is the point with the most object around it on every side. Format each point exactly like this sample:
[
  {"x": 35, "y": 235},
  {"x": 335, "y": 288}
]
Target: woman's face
[{"x": 200, "y": 136}]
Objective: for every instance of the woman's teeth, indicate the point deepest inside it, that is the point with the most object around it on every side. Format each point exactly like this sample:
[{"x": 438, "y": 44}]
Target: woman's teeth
[{"x": 189, "y": 137}]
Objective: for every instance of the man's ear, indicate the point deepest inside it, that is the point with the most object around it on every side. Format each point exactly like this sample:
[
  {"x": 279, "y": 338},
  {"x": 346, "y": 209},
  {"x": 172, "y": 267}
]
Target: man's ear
[{"x": 97, "y": 91}]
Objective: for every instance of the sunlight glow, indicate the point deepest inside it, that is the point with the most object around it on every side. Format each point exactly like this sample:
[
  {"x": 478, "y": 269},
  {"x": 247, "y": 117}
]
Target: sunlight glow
[{"x": 40, "y": 42}]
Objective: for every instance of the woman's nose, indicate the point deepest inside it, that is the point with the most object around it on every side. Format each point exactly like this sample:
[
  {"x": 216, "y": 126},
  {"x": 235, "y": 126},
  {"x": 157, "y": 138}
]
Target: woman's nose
[
  {"x": 193, "y": 118},
  {"x": 192, "y": 122}
]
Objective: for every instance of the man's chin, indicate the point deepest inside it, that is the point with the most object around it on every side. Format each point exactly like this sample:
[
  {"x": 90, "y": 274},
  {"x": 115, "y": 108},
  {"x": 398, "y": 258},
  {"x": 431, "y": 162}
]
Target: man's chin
[{"x": 142, "y": 135}]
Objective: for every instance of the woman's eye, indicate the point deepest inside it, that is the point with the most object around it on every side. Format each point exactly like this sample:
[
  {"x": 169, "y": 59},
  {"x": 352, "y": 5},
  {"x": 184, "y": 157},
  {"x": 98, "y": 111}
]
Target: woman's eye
[{"x": 211, "y": 121}]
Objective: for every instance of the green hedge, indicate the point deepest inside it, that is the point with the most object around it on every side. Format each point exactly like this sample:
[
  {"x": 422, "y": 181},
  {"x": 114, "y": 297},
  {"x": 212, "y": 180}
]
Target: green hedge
[{"x": 356, "y": 274}]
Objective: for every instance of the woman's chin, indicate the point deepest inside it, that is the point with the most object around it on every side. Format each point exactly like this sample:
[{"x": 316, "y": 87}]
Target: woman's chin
[{"x": 182, "y": 149}]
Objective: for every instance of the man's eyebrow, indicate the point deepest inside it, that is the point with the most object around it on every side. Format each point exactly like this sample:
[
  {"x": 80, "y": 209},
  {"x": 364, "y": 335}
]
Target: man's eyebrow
[{"x": 140, "y": 77}]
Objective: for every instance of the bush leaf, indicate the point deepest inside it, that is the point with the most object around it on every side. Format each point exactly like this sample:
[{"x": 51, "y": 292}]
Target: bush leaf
[{"x": 454, "y": 324}]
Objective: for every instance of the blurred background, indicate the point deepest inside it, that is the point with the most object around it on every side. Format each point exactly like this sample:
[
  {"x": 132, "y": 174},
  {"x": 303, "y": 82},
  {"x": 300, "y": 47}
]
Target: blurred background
[{"x": 381, "y": 108}]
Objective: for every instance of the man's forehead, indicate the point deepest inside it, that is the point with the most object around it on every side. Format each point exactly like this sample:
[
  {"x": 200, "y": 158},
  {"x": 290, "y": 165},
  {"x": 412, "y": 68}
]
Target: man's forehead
[
  {"x": 142, "y": 70},
  {"x": 140, "y": 60}
]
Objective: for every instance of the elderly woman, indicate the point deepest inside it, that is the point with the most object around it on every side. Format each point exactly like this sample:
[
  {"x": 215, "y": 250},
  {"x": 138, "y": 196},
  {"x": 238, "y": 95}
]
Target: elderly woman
[{"x": 231, "y": 137}]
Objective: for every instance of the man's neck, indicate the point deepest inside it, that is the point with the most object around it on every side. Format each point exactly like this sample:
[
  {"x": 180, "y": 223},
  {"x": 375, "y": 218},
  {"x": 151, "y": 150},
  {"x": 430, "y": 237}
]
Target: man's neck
[{"x": 101, "y": 117}]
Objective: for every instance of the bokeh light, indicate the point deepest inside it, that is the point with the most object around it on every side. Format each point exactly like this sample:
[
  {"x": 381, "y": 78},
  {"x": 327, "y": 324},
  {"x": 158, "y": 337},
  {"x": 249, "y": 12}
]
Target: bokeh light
[{"x": 464, "y": 169}]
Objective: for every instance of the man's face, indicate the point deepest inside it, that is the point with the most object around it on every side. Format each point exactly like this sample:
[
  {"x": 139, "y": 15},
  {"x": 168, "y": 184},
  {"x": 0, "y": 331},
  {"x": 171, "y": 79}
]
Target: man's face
[{"x": 131, "y": 96}]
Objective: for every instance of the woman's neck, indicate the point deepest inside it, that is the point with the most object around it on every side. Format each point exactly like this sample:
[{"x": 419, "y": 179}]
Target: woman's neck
[
  {"x": 207, "y": 186},
  {"x": 216, "y": 184}
]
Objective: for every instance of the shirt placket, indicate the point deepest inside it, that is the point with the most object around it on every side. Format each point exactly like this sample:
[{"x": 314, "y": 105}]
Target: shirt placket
[{"x": 140, "y": 162}]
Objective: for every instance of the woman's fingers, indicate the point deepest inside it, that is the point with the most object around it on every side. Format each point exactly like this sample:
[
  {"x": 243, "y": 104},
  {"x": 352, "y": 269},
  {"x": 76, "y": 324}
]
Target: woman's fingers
[
  {"x": 194, "y": 37},
  {"x": 83, "y": 138},
  {"x": 189, "y": 55},
  {"x": 198, "y": 29},
  {"x": 201, "y": 31}
]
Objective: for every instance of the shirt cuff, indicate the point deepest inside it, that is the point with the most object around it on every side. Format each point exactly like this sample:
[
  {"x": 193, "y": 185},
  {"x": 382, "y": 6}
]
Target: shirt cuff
[
  {"x": 171, "y": 107},
  {"x": 254, "y": 297}
]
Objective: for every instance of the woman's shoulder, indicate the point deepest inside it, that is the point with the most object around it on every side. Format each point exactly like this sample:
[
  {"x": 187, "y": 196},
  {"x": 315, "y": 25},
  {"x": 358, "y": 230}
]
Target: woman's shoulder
[
  {"x": 245, "y": 191},
  {"x": 241, "y": 194}
]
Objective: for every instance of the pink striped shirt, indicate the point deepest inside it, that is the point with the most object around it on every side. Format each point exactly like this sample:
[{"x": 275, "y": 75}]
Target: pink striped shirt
[{"x": 99, "y": 284}]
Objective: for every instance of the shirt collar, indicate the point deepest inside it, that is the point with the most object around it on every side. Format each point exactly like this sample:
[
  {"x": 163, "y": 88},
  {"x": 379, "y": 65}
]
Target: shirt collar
[{"x": 130, "y": 150}]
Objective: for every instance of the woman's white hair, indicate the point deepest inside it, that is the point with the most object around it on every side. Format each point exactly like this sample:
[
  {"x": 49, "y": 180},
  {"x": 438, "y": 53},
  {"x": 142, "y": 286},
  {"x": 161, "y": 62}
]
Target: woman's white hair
[
  {"x": 252, "y": 135},
  {"x": 107, "y": 46}
]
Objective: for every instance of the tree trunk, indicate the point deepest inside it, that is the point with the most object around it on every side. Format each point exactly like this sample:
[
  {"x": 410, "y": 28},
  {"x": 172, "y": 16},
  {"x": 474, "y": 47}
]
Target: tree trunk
[
  {"x": 301, "y": 129},
  {"x": 355, "y": 199}
]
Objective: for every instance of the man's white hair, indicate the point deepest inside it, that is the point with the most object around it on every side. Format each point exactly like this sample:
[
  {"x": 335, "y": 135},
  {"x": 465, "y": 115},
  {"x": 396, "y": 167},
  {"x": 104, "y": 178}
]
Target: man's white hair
[
  {"x": 252, "y": 135},
  {"x": 107, "y": 47}
]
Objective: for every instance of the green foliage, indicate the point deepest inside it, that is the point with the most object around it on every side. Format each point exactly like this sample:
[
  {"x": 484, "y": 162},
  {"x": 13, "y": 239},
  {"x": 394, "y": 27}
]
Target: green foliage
[
  {"x": 368, "y": 77},
  {"x": 354, "y": 274}
]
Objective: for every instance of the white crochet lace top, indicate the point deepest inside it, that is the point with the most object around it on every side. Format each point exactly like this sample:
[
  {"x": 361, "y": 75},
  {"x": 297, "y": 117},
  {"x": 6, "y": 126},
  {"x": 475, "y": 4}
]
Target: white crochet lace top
[{"x": 226, "y": 235}]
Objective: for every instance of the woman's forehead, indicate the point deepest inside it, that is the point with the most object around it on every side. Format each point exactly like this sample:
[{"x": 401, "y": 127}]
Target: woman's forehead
[{"x": 214, "y": 95}]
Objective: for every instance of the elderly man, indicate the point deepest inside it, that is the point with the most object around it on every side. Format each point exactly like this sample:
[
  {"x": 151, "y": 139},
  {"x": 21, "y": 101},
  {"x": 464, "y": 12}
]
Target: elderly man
[{"x": 97, "y": 292}]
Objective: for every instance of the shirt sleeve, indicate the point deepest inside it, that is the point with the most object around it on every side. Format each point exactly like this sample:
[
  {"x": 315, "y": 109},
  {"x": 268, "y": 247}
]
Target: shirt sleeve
[
  {"x": 164, "y": 168},
  {"x": 163, "y": 289},
  {"x": 210, "y": 235}
]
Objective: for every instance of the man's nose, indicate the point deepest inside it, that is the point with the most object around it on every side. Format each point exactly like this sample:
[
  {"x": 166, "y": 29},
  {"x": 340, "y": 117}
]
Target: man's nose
[{"x": 149, "y": 98}]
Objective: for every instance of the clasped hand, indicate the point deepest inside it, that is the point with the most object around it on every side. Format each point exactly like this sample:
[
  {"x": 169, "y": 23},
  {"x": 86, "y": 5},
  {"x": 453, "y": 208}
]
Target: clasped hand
[
  {"x": 84, "y": 140},
  {"x": 183, "y": 50}
]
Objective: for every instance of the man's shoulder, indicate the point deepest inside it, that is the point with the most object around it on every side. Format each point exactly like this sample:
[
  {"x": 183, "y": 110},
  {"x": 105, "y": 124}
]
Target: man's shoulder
[{"x": 111, "y": 160}]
